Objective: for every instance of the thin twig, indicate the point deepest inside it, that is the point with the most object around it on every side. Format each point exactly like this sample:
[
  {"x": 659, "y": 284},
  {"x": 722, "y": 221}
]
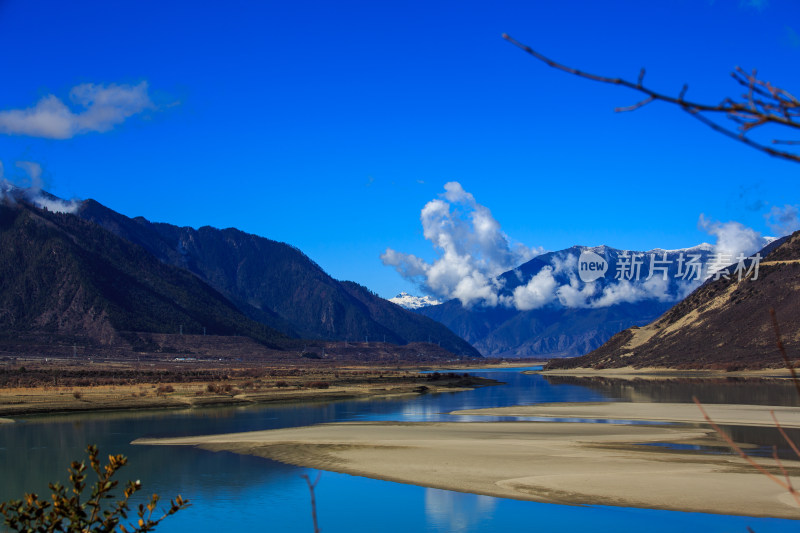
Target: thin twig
[
  {"x": 762, "y": 103},
  {"x": 785, "y": 436},
  {"x": 781, "y": 348},
  {"x": 783, "y": 470},
  {"x": 743, "y": 455}
]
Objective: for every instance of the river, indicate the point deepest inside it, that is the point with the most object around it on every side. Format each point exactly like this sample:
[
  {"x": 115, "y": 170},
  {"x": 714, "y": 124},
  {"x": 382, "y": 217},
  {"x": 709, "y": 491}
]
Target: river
[{"x": 244, "y": 493}]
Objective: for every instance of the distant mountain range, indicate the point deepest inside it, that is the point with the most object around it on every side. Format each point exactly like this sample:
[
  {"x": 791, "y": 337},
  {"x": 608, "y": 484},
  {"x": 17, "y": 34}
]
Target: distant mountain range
[
  {"x": 724, "y": 324},
  {"x": 577, "y": 317},
  {"x": 275, "y": 284}
]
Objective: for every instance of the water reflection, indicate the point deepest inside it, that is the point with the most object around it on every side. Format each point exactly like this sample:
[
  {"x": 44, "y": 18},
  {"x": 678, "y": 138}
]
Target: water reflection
[
  {"x": 457, "y": 511},
  {"x": 751, "y": 391},
  {"x": 265, "y": 495}
]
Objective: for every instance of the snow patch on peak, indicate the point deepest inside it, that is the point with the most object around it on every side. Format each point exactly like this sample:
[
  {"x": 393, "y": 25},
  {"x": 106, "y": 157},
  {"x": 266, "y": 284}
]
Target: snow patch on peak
[
  {"x": 702, "y": 247},
  {"x": 413, "y": 302}
]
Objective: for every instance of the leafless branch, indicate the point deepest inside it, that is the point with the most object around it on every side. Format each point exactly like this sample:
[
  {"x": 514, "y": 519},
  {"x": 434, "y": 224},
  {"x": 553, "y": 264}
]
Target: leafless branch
[
  {"x": 761, "y": 104},
  {"x": 782, "y": 349},
  {"x": 786, "y": 483},
  {"x": 785, "y": 436},
  {"x": 311, "y": 487},
  {"x": 735, "y": 447}
]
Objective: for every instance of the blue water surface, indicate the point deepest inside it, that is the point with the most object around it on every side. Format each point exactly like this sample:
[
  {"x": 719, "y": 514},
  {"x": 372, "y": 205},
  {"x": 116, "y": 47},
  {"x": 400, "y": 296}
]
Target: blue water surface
[{"x": 244, "y": 493}]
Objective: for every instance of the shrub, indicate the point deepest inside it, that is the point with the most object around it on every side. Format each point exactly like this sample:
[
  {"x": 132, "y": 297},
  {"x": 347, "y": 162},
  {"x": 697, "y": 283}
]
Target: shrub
[
  {"x": 69, "y": 514},
  {"x": 165, "y": 389}
]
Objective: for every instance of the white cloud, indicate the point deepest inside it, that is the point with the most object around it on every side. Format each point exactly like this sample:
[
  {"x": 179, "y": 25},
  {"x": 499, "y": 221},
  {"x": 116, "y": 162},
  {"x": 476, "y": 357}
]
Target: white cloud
[
  {"x": 98, "y": 108},
  {"x": 472, "y": 251},
  {"x": 56, "y": 204},
  {"x": 471, "y": 246},
  {"x": 538, "y": 292},
  {"x": 783, "y": 220},
  {"x": 733, "y": 238},
  {"x": 30, "y": 187},
  {"x": 655, "y": 288},
  {"x": 575, "y": 295}
]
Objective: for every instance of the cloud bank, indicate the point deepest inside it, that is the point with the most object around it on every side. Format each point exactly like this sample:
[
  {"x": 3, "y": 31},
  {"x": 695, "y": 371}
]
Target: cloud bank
[
  {"x": 98, "y": 108},
  {"x": 733, "y": 238},
  {"x": 472, "y": 250}
]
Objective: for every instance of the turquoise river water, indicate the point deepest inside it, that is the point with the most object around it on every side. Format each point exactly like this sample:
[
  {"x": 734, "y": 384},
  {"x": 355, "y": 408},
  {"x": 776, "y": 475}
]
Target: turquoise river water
[{"x": 231, "y": 492}]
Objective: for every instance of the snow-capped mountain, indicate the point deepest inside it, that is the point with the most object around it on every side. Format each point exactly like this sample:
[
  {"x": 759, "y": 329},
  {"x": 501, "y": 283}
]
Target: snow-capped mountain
[
  {"x": 569, "y": 302},
  {"x": 413, "y": 302}
]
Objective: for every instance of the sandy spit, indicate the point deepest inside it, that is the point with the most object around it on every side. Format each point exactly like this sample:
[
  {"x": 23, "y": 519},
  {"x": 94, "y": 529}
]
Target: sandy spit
[
  {"x": 725, "y": 414},
  {"x": 568, "y": 463},
  {"x": 6, "y": 421},
  {"x": 629, "y": 372}
]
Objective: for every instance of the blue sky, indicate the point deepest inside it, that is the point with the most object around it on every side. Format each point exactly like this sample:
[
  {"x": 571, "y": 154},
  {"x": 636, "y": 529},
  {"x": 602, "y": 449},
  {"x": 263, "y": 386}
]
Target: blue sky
[{"x": 330, "y": 125}]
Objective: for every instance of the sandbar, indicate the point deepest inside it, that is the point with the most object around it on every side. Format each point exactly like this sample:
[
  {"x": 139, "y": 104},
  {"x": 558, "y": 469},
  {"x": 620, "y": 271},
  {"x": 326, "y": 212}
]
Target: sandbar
[
  {"x": 555, "y": 462},
  {"x": 723, "y": 414},
  {"x": 6, "y": 421},
  {"x": 656, "y": 373}
]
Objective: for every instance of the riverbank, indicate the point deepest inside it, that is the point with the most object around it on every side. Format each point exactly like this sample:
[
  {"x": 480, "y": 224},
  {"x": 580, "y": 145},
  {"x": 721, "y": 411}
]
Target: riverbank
[
  {"x": 629, "y": 372},
  {"x": 347, "y": 385},
  {"x": 566, "y": 463}
]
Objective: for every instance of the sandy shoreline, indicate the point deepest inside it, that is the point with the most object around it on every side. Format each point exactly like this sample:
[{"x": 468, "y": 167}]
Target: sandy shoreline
[
  {"x": 556, "y": 462},
  {"x": 6, "y": 421},
  {"x": 724, "y": 414},
  {"x": 629, "y": 372}
]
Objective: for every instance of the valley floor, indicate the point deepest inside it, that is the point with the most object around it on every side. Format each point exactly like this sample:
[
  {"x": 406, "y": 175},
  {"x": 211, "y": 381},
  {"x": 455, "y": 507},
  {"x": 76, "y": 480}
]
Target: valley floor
[{"x": 47, "y": 388}]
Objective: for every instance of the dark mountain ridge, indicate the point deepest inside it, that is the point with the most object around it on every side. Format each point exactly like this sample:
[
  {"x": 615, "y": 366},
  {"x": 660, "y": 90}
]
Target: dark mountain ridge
[
  {"x": 63, "y": 279},
  {"x": 276, "y": 284}
]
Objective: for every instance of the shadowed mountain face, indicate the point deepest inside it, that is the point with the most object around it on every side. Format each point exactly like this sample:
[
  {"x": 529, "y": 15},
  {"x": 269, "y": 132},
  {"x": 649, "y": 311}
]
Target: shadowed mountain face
[
  {"x": 723, "y": 324},
  {"x": 63, "y": 279},
  {"x": 276, "y": 284},
  {"x": 579, "y": 317}
]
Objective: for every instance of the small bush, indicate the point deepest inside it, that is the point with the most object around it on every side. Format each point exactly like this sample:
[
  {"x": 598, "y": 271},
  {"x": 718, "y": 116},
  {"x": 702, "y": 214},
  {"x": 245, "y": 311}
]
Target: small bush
[
  {"x": 318, "y": 385},
  {"x": 281, "y": 384},
  {"x": 69, "y": 514},
  {"x": 77, "y": 395}
]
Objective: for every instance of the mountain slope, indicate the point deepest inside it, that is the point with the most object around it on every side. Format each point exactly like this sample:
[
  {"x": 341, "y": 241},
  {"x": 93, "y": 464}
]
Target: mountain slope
[
  {"x": 62, "y": 278},
  {"x": 276, "y": 284},
  {"x": 559, "y": 329},
  {"x": 722, "y": 324}
]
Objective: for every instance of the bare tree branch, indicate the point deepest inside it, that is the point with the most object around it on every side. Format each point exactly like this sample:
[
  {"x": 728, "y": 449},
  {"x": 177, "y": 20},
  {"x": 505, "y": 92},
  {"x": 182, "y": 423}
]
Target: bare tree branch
[
  {"x": 311, "y": 487},
  {"x": 761, "y": 104}
]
